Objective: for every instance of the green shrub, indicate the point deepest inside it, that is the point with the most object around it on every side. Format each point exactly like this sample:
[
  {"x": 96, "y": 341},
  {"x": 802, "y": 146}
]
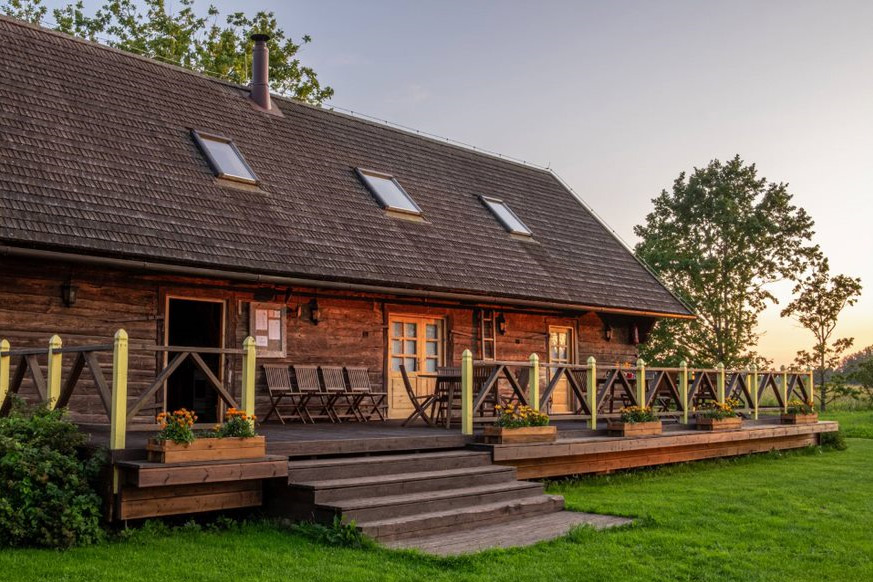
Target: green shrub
[
  {"x": 338, "y": 533},
  {"x": 834, "y": 440},
  {"x": 45, "y": 495}
]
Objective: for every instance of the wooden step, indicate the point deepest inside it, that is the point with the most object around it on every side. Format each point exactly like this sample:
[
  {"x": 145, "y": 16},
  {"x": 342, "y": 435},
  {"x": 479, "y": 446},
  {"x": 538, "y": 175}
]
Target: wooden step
[
  {"x": 371, "y": 508},
  {"x": 460, "y": 519},
  {"x": 405, "y": 483},
  {"x": 343, "y": 468}
]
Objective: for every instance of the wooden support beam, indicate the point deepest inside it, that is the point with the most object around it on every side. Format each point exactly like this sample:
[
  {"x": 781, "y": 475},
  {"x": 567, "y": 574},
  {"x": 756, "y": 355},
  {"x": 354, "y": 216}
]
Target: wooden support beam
[
  {"x": 811, "y": 386},
  {"x": 720, "y": 382},
  {"x": 53, "y": 372},
  {"x": 467, "y": 392},
  {"x": 5, "y": 361},
  {"x": 248, "y": 376},
  {"x": 592, "y": 392},
  {"x": 534, "y": 392},
  {"x": 754, "y": 390},
  {"x": 683, "y": 389},
  {"x": 641, "y": 382},
  {"x": 784, "y": 390},
  {"x": 118, "y": 414}
]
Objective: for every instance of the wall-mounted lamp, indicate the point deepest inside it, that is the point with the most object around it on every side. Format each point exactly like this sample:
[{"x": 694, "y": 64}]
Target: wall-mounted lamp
[
  {"x": 500, "y": 321},
  {"x": 314, "y": 311},
  {"x": 69, "y": 293},
  {"x": 607, "y": 332}
]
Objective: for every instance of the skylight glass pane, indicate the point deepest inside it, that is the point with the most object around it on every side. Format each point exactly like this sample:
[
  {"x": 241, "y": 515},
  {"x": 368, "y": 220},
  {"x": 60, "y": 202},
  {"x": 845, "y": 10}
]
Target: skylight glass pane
[
  {"x": 226, "y": 161},
  {"x": 389, "y": 193},
  {"x": 510, "y": 221}
]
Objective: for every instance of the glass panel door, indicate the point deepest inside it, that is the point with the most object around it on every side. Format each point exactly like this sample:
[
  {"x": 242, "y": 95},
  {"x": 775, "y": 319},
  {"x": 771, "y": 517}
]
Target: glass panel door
[
  {"x": 560, "y": 352},
  {"x": 417, "y": 344}
]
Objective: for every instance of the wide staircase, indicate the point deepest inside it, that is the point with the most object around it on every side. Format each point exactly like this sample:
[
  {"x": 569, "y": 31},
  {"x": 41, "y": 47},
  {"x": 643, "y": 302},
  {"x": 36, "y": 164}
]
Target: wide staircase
[{"x": 400, "y": 499}]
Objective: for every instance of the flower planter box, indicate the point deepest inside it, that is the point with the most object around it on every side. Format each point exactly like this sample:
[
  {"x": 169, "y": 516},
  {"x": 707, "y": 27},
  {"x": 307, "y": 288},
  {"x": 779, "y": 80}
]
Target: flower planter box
[
  {"x": 800, "y": 418},
  {"x": 207, "y": 449},
  {"x": 715, "y": 424},
  {"x": 618, "y": 428},
  {"x": 497, "y": 435}
]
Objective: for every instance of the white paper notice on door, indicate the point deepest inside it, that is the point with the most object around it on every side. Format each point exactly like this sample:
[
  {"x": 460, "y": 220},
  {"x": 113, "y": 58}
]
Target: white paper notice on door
[
  {"x": 260, "y": 319},
  {"x": 261, "y": 341},
  {"x": 275, "y": 332}
]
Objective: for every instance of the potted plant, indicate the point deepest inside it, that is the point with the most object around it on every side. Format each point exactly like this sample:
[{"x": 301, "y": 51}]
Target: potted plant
[
  {"x": 718, "y": 415},
  {"x": 799, "y": 412},
  {"x": 178, "y": 442},
  {"x": 635, "y": 421},
  {"x": 519, "y": 424}
]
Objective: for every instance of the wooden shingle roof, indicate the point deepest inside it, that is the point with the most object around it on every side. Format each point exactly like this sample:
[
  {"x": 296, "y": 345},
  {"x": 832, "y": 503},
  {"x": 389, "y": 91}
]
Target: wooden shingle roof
[{"x": 96, "y": 157}]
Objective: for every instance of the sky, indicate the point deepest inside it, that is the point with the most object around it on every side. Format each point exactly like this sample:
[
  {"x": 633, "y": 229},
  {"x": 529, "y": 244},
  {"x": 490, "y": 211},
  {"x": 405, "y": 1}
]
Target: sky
[{"x": 620, "y": 97}]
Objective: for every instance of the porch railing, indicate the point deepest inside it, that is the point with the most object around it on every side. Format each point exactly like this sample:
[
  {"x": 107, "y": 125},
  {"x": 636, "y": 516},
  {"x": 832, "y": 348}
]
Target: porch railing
[
  {"x": 672, "y": 392},
  {"x": 52, "y": 388}
]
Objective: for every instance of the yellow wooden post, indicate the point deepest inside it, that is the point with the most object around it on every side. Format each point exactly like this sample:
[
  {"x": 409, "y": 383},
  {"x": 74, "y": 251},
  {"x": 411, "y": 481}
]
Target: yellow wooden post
[
  {"x": 753, "y": 388},
  {"x": 811, "y": 386},
  {"x": 592, "y": 392},
  {"x": 534, "y": 392},
  {"x": 683, "y": 389},
  {"x": 784, "y": 390},
  {"x": 118, "y": 411},
  {"x": 247, "y": 399},
  {"x": 641, "y": 382},
  {"x": 5, "y": 359},
  {"x": 467, "y": 392},
  {"x": 55, "y": 366},
  {"x": 720, "y": 382}
]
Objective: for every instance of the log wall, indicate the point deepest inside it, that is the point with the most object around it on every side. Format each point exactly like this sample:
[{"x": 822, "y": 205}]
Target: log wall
[{"x": 352, "y": 329}]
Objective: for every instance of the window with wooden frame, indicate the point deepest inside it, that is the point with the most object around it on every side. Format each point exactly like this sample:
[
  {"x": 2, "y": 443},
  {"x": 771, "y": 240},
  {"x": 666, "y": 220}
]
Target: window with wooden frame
[
  {"x": 267, "y": 325},
  {"x": 388, "y": 192},
  {"x": 416, "y": 343},
  {"x": 487, "y": 335},
  {"x": 224, "y": 158}
]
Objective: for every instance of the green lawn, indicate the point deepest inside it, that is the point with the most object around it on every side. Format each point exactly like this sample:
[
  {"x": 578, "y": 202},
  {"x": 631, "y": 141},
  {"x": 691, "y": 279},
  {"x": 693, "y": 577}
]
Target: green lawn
[
  {"x": 797, "y": 516},
  {"x": 854, "y": 423}
]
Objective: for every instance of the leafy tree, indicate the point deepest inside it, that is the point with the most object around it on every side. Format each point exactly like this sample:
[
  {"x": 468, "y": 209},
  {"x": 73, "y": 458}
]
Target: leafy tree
[
  {"x": 862, "y": 375},
  {"x": 851, "y": 362},
  {"x": 819, "y": 300},
  {"x": 718, "y": 239},
  {"x": 185, "y": 38}
]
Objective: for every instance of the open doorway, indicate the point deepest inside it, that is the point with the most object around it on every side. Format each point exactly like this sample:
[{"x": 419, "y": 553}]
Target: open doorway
[{"x": 194, "y": 323}]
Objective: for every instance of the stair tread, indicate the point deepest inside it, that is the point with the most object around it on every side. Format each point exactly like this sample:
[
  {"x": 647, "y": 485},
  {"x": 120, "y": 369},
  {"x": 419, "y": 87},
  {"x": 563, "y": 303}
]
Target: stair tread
[
  {"x": 403, "y": 477},
  {"x": 369, "y": 502},
  {"x": 315, "y": 463},
  {"x": 471, "y": 510}
]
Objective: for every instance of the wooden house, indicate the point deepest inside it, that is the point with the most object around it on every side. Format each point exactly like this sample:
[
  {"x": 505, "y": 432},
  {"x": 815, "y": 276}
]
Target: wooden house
[{"x": 195, "y": 212}]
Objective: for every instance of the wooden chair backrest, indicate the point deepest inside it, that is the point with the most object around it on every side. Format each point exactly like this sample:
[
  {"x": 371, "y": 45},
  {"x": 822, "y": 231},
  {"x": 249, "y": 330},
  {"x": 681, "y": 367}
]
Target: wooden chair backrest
[
  {"x": 408, "y": 385},
  {"x": 359, "y": 378},
  {"x": 334, "y": 381},
  {"x": 307, "y": 378},
  {"x": 278, "y": 378}
]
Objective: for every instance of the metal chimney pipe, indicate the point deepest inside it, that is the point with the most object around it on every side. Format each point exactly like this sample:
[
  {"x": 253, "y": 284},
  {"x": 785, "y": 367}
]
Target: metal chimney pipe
[{"x": 260, "y": 86}]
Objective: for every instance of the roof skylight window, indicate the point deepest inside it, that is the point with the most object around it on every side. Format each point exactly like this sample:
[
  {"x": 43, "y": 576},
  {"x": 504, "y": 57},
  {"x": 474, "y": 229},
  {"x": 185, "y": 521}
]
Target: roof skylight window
[
  {"x": 506, "y": 216},
  {"x": 224, "y": 158},
  {"x": 388, "y": 191}
]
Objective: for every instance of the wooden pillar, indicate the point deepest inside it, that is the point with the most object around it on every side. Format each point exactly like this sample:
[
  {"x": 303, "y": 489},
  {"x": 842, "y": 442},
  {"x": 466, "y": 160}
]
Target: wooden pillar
[
  {"x": 247, "y": 398},
  {"x": 784, "y": 390},
  {"x": 753, "y": 388},
  {"x": 641, "y": 382},
  {"x": 592, "y": 392},
  {"x": 5, "y": 360},
  {"x": 118, "y": 411},
  {"x": 467, "y": 392},
  {"x": 53, "y": 373},
  {"x": 811, "y": 386},
  {"x": 683, "y": 389},
  {"x": 534, "y": 392},
  {"x": 720, "y": 382}
]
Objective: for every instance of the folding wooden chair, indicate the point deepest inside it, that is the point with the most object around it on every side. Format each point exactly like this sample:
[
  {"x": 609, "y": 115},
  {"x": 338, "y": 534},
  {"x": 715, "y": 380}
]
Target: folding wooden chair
[
  {"x": 342, "y": 401},
  {"x": 279, "y": 388},
  {"x": 420, "y": 403},
  {"x": 308, "y": 384},
  {"x": 369, "y": 401}
]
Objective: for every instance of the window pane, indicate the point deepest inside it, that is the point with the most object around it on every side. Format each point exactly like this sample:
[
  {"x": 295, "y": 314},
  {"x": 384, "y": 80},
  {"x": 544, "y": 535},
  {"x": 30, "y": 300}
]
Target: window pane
[
  {"x": 398, "y": 329},
  {"x": 411, "y": 330},
  {"x": 430, "y": 365},
  {"x": 432, "y": 348},
  {"x": 409, "y": 347},
  {"x": 395, "y": 364},
  {"x": 510, "y": 221},
  {"x": 411, "y": 364},
  {"x": 396, "y": 347},
  {"x": 431, "y": 331},
  {"x": 225, "y": 158},
  {"x": 389, "y": 193}
]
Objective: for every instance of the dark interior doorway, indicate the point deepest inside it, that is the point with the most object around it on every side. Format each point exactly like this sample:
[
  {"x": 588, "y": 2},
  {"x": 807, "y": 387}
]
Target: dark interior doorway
[{"x": 194, "y": 323}]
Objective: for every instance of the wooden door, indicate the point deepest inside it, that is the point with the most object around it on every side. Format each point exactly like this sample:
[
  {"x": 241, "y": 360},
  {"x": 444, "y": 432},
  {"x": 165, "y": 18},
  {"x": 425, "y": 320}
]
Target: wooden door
[
  {"x": 417, "y": 343},
  {"x": 560, "y": 352}
]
